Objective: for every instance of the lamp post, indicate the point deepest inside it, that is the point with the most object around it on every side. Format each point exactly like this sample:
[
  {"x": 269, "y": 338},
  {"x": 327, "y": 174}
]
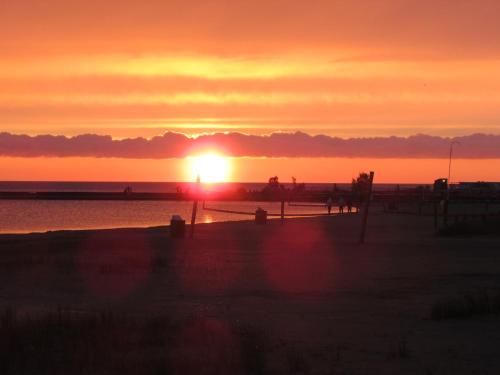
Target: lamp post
[{"x": 449, "y": 165}]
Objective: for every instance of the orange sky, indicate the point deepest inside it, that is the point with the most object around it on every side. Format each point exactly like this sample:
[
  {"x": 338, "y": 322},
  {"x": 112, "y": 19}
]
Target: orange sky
[
  {"x": 345, "y": 68},
  {"x": 248, "y": 169}
]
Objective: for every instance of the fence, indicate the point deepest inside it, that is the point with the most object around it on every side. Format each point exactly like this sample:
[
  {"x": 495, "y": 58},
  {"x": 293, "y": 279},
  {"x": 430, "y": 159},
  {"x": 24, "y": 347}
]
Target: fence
[{"x": 282, "y": 213}]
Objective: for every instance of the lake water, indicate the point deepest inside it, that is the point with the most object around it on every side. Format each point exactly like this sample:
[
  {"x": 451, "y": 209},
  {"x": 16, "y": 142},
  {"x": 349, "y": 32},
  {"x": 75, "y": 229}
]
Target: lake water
[{"x": 25, "y": 216}]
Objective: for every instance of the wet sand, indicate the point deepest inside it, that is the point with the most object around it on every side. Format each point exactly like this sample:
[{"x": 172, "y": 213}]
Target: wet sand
[{"x": 324, "y": 303}]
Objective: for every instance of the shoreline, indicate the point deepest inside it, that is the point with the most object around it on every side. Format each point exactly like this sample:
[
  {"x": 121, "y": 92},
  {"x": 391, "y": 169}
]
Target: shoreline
[
  {"x": 165, "y": 227},
  {"x": 41, "y": 216}
]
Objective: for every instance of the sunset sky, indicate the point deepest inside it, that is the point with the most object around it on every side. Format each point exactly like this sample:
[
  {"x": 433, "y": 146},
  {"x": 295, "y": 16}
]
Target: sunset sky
[{"x": 342, "y": 69}]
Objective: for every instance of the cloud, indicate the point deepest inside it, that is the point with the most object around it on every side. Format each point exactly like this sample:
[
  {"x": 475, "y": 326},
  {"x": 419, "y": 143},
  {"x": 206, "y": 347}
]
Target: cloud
[
  {"x": 177, "y": 145},
  {"x": 421, "y": 66},
  {"x": 397, "y": 27}
]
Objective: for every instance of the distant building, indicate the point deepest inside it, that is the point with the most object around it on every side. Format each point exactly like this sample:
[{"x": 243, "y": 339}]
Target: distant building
[{"x": 478, "y": 187}]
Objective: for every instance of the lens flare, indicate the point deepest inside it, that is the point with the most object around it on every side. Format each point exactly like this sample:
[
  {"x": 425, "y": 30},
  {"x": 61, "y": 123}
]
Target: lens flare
[{"x": 211, "y": 167}]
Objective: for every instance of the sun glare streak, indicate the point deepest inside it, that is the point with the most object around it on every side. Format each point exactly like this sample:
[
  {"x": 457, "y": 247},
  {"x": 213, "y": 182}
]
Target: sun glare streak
[
  {"x": 216, "y": 67},
  {"x": 211, "y": 167}
]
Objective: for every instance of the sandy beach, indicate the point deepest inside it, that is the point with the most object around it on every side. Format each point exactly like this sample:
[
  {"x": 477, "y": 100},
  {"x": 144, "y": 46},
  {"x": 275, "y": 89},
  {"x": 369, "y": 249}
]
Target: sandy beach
[{"x": 320, "y": 302}]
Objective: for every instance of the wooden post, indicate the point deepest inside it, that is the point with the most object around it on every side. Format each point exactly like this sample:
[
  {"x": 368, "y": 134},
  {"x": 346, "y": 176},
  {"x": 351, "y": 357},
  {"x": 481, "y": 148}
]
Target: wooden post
[
  {"x": 367, "y": 207},
  {"x": 282, "y": 211},
  {"x": 195, "y": 206}
]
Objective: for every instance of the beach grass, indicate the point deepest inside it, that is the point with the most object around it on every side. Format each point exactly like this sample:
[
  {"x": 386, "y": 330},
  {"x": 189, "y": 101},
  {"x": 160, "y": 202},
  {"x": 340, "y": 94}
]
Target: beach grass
[
  {"x": 71, "y": 342},
  {"x": 466, "y": 306}
]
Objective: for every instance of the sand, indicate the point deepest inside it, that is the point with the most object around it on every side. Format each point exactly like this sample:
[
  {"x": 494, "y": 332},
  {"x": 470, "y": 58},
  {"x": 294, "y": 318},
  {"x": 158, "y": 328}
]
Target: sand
[{"x": 324, "y": 303}]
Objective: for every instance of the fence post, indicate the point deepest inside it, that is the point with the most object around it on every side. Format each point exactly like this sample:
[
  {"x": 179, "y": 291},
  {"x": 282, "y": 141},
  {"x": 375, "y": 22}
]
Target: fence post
[
  {"x": 282, "y": 210},
  {"x": 367, "y": 207},
  {"x": 195, "y": 206}
]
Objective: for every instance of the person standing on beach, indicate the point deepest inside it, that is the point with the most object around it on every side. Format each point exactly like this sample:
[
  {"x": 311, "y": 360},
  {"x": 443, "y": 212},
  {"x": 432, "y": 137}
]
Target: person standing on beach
[
  {"x": 349, "y": 204},
  {"x": 341, "y": 205},
  {"x": 329, "y": 204}
]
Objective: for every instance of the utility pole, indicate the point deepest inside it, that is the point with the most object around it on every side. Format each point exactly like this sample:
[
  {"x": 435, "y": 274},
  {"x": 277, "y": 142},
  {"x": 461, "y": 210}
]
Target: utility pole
[{"x": 449, "y": 165}]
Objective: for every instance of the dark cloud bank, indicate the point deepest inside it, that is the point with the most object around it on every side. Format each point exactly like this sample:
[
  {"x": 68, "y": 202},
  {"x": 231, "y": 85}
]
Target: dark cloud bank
[{"x": 173, "y": 145}]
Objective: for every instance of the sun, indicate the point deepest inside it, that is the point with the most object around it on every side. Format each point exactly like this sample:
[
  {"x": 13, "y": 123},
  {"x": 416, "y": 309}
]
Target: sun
[{"x": 211, "y": 167}]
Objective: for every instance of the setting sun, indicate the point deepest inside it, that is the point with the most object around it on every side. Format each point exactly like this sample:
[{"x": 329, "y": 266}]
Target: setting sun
[{"x": 210, "y": 167}]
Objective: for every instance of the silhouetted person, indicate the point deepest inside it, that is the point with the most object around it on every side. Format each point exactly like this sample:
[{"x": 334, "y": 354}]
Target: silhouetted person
[
  {"x": 329, "y": 204},
  {"x": 341, "y": 205},
  {"x": 349, "y": 204}
]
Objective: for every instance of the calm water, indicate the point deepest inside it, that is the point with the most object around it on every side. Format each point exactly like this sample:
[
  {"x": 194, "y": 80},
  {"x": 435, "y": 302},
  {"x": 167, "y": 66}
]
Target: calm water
[{"x": 24, "y": 216}]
